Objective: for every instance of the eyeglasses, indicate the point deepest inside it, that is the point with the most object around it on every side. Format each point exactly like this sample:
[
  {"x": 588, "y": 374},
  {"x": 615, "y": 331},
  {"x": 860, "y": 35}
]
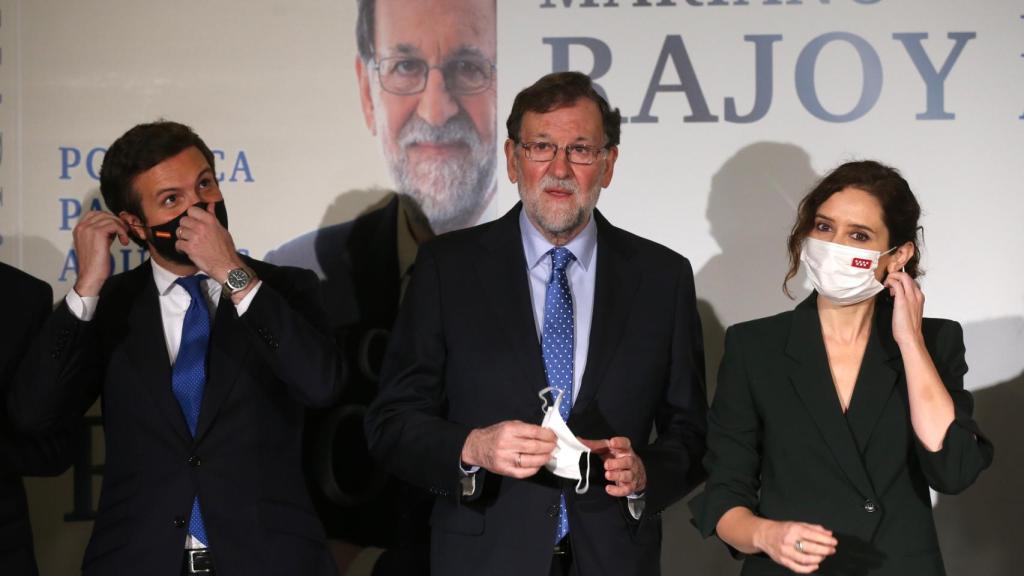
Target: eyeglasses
[
  {"x": 575, "y": 153},
  {"x": 404, "y": 75}
]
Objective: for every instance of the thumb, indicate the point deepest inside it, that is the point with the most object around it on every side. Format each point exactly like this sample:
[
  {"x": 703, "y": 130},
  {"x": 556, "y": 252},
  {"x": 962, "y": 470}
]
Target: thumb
[{"x": 596, "y": 446}]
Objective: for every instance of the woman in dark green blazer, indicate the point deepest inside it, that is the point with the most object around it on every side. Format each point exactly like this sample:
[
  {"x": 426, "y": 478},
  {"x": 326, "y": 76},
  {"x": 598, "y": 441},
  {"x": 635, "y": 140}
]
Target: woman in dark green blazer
[{"x": 831, "y": 421}]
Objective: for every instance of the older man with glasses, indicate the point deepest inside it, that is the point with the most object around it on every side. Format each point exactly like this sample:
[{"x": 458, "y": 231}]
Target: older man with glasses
[
  {"x": 426, "y": 77},
  {"x": 551, "y": 300}
]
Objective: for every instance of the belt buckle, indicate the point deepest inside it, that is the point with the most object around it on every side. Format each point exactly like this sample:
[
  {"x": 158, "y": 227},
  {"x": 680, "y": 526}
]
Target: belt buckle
[{"x": 202, "y": 554}]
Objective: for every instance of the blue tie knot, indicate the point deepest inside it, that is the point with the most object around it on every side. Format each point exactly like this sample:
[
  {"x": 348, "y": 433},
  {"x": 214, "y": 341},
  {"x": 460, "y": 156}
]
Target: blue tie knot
[
  {"x": 560, "y": 258},
  {"x": 191, "y": 284}
]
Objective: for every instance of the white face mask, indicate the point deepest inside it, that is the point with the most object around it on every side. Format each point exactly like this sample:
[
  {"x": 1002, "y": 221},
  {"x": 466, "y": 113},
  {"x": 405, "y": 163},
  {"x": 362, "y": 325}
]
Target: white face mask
[
  {"x": 565, "y": 460},
  {"x": 843, "y": 274}
]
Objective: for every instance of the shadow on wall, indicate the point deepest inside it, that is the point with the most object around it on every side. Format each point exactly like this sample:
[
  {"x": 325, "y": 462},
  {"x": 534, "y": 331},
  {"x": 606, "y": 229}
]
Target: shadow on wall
[
  {"x": 751, "y": 208},
  {"x": 979, "y": 529},
  {"x": 42, "y": 259},
  {"x": 354, "y": 203}
]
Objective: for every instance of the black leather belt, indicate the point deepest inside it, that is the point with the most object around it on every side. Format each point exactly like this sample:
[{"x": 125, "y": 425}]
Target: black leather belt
[
  {"x": 562, "y": 548},
  {"x": 198, "y": 563},
  {"x": 561, "y": 559}
]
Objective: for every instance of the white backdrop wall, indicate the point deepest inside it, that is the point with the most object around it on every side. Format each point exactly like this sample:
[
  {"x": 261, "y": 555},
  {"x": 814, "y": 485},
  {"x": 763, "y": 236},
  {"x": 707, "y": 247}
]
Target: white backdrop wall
[{"x": 734, "y": 108}]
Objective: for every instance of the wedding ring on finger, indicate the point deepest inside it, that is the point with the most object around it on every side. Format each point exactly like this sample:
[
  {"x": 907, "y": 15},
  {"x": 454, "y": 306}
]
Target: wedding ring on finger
[
  {"x": 519, "y": 460},
  {"x": 799, "y": 545}
]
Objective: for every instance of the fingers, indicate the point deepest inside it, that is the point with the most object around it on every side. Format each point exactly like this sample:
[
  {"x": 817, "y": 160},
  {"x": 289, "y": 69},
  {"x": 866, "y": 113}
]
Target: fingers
[
  {"x": 92, "y": 237},
  {"x": 817, "y": 533},
  {"x": 621, "y": 491},
  {"x": 805, "y": 546},
  {"x": 620, "y": 444},
  {"x": 599, "y": 447},
  {"x": 530, "y": 462},
  {"x": 510, "y": 448},
  {"x": 625, "y": 471},
  {"x": 902, "y": 282}
]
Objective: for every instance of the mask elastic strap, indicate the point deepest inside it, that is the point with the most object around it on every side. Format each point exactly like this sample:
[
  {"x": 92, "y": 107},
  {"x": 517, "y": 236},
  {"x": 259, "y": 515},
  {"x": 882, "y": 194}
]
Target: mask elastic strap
[
  {"x": 586, "y": 478},
  {"x": 556, "y": 394}
]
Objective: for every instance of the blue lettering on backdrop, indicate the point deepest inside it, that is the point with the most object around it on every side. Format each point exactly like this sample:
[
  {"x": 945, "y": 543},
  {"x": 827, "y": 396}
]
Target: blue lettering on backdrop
[
  {"x": 674, "y": 52},
  {"x": 871, "y": 73},
  {"x": 71, "y": 210},
  {"x": 673, "y": 48},
  {"x": 71, "y": 164},
  {"x": 122, "y": 260},
  {"x": 763, "y": 87},
  {"x": 934, "y": 80},
  {"x": 600, "y": 51}
]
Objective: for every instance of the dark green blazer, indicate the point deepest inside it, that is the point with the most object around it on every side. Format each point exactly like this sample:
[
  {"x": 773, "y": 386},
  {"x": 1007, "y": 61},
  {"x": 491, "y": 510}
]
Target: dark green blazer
[{"x": 780, "y": 445}]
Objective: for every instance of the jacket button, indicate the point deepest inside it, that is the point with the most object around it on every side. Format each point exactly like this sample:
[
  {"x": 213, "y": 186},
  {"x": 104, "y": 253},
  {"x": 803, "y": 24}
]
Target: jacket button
[
  {"x": 179, "y": 522},
  {"x": 553, "y": 511},
  {"x": 194, "y": 461},
  {"x": 870, "y": 506}
]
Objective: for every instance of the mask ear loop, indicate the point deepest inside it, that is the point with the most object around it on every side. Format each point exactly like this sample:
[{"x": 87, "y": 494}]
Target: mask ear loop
[
  {"x": 586, "y": 478},
  {"x": 544, "y": 398}
]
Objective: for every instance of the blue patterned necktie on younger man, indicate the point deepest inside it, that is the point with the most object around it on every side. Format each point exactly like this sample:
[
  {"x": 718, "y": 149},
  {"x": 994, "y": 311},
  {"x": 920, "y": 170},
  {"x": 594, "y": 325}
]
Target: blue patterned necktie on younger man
[
  {"x": 558, "y": 347},
  {"x": 188, "y": 377}
]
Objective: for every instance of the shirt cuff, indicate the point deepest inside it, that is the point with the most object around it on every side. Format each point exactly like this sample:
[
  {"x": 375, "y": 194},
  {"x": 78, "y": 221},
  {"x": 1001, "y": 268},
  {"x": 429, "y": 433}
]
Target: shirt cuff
[
  {"x": 82, "y": 307},
  {"x": 242, "y": 306},
  {"x": 468, "y": 480},
  {"x": 636, "y": 503}
]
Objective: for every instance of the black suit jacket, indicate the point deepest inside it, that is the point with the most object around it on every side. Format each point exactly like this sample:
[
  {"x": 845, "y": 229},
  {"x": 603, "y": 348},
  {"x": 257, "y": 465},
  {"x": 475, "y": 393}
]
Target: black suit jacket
[
  {"x": 465, "y": 355},
  {"x": 27, "y": 302},
  {"x": 779, "y": 444},
  {"x": 358, "y": 502},
  {"x": 245, "y": 460}
]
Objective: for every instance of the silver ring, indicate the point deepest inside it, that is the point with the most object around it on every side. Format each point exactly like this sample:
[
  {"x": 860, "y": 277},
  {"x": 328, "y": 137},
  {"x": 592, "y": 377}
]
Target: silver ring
[
  {"x": 519, "y": 460},
  {"x": 178, "y": 230},
  {"x": 799, "y": 545}
]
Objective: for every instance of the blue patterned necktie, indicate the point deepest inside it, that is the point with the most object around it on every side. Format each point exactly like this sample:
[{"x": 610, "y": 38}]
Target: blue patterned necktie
[
  {"x": 559, "y": 349},
  {"x": 188, "y": 377}
]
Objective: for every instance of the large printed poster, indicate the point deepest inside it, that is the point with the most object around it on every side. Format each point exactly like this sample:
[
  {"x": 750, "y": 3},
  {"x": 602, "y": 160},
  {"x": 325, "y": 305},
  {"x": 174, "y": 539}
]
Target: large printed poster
[{"x": 732, "y": 109}]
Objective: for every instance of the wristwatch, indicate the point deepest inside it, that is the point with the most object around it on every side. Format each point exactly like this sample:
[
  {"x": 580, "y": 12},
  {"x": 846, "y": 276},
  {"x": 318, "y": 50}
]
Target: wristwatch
[{"x": 237, "y": 280}]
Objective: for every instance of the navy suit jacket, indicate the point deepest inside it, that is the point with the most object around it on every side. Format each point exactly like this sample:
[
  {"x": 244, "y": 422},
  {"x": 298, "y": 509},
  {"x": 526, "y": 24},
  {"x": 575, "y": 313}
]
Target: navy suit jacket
[
  {"x": 465, "y": 354},
  {"x": 780, "y": 445},
  {"x": 26, "y": 304},
  {"x": 245, "y": 460}
]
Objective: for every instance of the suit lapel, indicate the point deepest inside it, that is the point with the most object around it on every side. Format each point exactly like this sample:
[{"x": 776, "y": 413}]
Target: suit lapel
[
  {"x": 616, "y": 285},
  {"x": 503, "y": 275},
  {"x": 147, "y": 348},
  {"x": 877, "y": 378},
  {"x": 812, "y": 380},
  {"x": 229, "y": 346}
]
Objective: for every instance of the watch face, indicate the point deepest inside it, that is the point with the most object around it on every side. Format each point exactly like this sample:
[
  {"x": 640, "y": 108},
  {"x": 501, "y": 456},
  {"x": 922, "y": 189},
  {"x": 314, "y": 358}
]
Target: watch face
[{"x": 237, "y": 279}]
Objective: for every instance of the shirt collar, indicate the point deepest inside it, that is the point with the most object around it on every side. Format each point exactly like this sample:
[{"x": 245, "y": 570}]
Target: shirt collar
[
  {"x": 165, "y": 279},
  {"x": 536, "y": 246}
]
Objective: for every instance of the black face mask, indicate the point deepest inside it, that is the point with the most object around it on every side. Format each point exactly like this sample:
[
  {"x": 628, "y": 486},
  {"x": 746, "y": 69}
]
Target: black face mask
[{"x": 163, "y": 236}]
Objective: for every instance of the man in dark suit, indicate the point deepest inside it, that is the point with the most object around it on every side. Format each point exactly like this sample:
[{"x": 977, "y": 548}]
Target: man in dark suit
[
  {"x": 204, "y": 361},
  {"x": 550, "y": 295},
  {"x": 26, "y": 304}
]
